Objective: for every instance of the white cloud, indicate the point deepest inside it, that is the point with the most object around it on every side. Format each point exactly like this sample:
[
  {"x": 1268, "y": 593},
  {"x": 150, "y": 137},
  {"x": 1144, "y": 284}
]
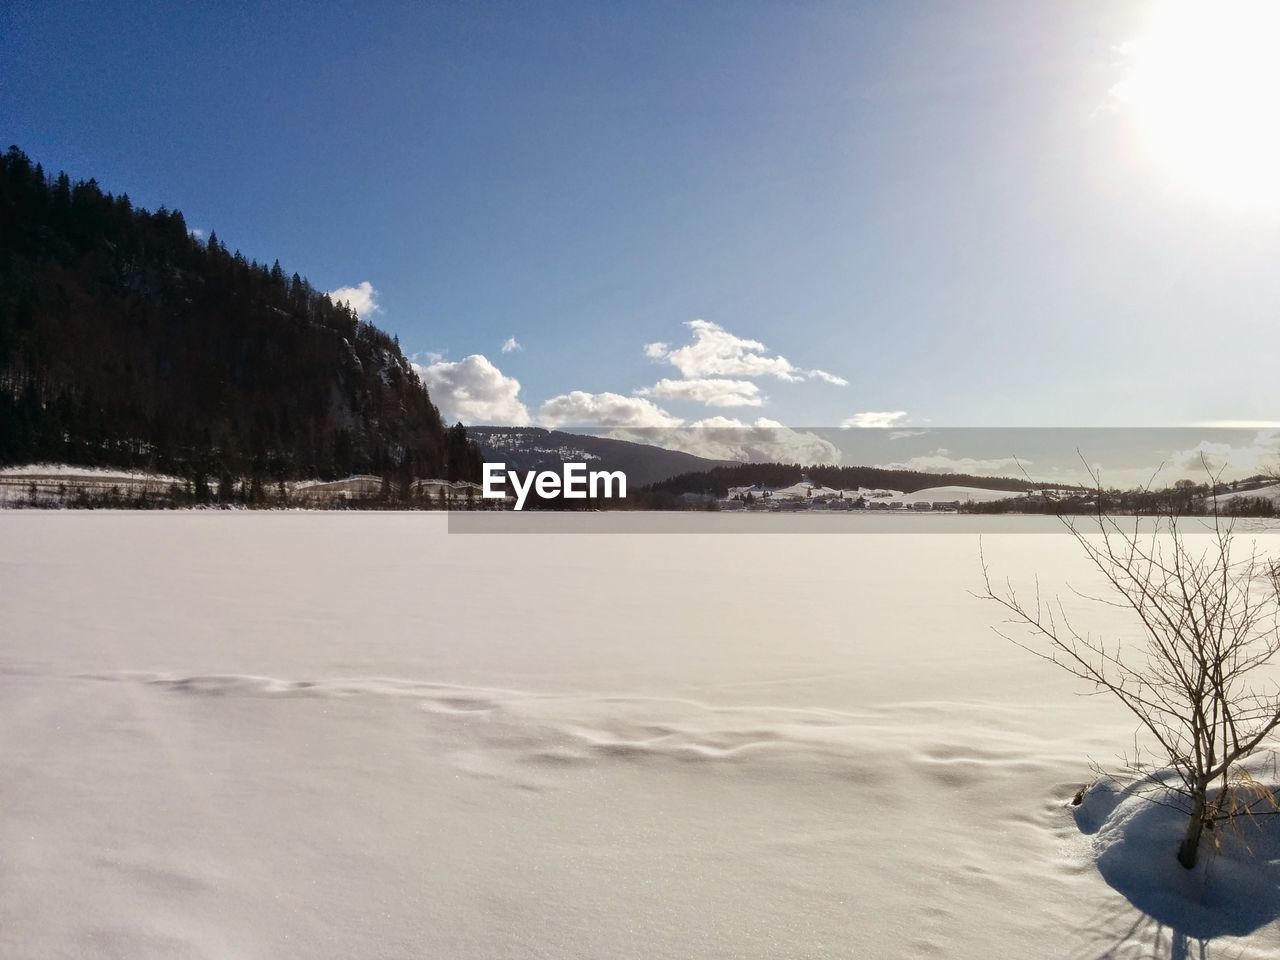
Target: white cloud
[
  {"x": 716, "y": 370},
  {"x": 197, "y": 233},
  {"x": 715, "y": 352},
  {"x": 718, "y": 353},
  {"x": 712, "y": 392},
  {"x": 873, "y": 419},
  {"x": 656, "y": 351},
  {"x": 474, "y": 391},
  {"x": 726, "y": 438},
  {"x": 904, "y": 434},
  {"x": 941, "y": 461},
  {"x": 580, "y": 408},
  {"x": 828, "y": 377},
  {"x": 362, "y": 298},
  {"x": 1259, "y": 456}
]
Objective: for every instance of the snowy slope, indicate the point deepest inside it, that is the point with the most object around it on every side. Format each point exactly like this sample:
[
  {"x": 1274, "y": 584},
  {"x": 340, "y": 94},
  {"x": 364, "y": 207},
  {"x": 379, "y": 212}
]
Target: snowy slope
[{"x": 1270, "y": 491}]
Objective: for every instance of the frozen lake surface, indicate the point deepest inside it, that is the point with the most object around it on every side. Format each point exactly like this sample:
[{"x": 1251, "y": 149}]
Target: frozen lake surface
[{"x": 266, "y": 735}]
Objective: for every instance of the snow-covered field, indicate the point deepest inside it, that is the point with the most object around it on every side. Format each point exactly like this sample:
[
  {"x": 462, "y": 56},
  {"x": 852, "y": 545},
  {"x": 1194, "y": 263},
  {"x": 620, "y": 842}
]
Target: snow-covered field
[{"x": 265, "y": 735}]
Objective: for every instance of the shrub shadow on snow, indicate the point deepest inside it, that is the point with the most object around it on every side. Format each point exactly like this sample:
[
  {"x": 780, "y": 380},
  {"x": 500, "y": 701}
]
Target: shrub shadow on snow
[
  {"x": 1233, "y": 891},
  {"x": 1122, "y": 934}
]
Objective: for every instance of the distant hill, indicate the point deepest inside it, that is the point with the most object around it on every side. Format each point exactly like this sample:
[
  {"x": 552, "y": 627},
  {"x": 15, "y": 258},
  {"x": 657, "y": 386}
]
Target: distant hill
[
  {"x": 127, "y": 342},
  {"x": 719, "y": 479},
  {"x": 533, "y": 448},
  {"x": 672, "y": 472}
]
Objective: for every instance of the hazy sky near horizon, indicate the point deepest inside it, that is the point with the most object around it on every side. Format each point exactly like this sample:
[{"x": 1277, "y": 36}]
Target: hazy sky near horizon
[{"x": 946, "y": 214}]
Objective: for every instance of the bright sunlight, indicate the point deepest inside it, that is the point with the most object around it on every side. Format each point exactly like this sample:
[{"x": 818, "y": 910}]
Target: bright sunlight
[{"x": 1202, "y": 83}]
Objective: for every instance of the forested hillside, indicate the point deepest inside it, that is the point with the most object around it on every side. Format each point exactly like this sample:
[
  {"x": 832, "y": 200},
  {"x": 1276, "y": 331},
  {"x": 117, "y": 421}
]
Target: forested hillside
[{"x": 125, "y": 341}]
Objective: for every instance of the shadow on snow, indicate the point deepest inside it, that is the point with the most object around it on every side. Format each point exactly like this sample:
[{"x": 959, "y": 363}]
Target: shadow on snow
[{"x": 1234, "y": 890}]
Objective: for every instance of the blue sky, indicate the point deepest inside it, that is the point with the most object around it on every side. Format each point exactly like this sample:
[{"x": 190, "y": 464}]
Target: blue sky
[{"x": 944, "y": 205}]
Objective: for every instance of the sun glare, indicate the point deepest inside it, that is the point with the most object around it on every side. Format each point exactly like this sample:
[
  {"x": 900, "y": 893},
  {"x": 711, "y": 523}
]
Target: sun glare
[{"x": 1203, "y": 84}]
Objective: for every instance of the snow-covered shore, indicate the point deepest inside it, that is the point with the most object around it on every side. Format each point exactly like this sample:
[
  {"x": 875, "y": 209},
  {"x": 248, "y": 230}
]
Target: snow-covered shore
[{"x": 356, "y": 735}]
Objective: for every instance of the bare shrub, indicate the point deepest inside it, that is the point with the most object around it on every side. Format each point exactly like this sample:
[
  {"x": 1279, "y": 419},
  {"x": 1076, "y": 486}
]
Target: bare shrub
[{"x": 1205, "y": 607}]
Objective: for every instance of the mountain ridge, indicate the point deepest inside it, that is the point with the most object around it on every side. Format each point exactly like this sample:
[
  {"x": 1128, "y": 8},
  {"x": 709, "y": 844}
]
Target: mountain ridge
[{"x": 539, "y": 448}]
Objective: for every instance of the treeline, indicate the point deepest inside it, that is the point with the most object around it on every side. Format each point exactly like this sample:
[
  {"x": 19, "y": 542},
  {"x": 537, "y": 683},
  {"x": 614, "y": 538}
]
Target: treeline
[
  {"x": 1249, "y": 507},
  {"x": 718, "y": 480},
  {"x": 127, "y": 342},
  {"x": 247, "y": 494},
  {"x": 1184, "y": 498}
]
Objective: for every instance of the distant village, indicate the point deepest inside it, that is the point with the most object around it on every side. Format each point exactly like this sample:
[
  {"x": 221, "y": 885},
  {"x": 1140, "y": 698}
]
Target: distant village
[
  {"x": 55, "y": 485},
  {"x": 807, "y": 495},
  {"x": 58, "y": 485},
  {"x": 48, "y": 485},
  {"x": 1255, "y": 496}
]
